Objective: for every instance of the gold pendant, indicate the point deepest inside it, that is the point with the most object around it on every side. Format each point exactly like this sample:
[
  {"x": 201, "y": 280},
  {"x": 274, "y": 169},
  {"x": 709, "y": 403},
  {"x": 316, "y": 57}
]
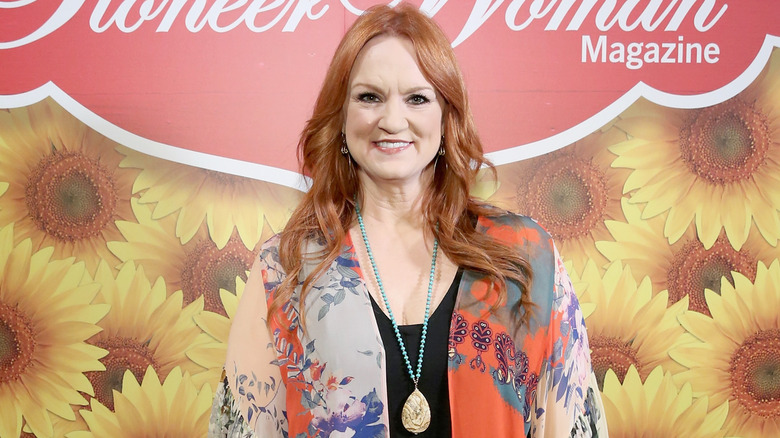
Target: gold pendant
[{"x": 416, "y": 415}]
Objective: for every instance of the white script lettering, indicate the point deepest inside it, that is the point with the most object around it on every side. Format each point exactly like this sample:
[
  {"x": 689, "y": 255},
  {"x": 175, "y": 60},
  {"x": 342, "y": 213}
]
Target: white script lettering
[{"x": 263, "y": 15}]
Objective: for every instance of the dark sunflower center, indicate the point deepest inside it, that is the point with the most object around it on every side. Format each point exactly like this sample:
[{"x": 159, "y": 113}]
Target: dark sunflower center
[
  {"x": 608, "y": 353},
  {"x": 209, "y": 269},
  {"x": 17, "y": 343},
  {"x": 123, "y": 354},
  {"x": 730, "y": 142},
  {"x": 70, "y": 196},
  {"x": 226, "y": 274},
  {"x": 568, "y": 198},
  {"x": 725, "y": 143},
  {"x": 694, "y": 269},
  {"x": 571, "y": 199},
  {"x": 755, "y": 374},
  {"x": 712, "y": 271},
  {"x": 77, "y": 198}
]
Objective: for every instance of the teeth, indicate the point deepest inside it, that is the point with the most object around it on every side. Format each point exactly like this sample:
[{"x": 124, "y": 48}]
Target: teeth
[{"x": 392, "y": 144}]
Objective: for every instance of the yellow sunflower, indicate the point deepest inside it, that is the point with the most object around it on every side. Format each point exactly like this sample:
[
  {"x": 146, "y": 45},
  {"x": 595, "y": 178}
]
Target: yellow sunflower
[
  {"x": 211, "y": 347},
  {"x": 717, "y": 166},
  {"x": 46, "y": 316},
  {"x": 175, "y": 408},
  {"x": 197, "y": 268},
  {"x": 143, "y": 328},
  {"x": 224, "y": 201},
  {"x": 738, "y": 357},
  {"x": 64, "y": 185},
  {"x": 485, "y": 185},
  {"x": 658, "y": 407},
  {"x": 60, "y": 426},
  {"x": 629, "y": 325},
  {"x": 686, "y": 267},
  {"x": 570, "y": 192},
  {"x": 579, "y": 287}
]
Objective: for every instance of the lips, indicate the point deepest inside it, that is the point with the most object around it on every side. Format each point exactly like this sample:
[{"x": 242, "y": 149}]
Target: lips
[{"x": 392, "y": 146}]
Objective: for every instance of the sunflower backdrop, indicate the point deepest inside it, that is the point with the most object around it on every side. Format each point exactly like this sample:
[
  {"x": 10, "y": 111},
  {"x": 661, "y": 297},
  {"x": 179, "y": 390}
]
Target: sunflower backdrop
[{"x": 120, "y": 272}]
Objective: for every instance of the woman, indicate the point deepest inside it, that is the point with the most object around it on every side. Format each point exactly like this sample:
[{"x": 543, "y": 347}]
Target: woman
[{"x": 388, "y": 259}]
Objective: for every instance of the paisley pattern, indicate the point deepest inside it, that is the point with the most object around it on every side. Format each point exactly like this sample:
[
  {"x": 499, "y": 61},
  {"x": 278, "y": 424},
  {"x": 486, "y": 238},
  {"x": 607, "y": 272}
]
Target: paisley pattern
[
  {"x": 328, "y": 380},
  {"x": 480, "y": 340}
]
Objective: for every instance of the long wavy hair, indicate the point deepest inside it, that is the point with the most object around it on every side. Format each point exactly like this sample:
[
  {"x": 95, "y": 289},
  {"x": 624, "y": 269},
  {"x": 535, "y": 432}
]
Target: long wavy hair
[{"x": 327, "y": 210}]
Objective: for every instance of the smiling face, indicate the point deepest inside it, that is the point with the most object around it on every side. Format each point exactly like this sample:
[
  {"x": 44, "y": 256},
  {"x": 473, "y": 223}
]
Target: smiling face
[{"x": 393, "y": 123}]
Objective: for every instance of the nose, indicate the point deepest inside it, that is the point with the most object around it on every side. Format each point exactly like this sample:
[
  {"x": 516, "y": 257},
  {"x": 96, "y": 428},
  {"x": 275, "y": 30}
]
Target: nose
[{"x": 392, "y": 118}]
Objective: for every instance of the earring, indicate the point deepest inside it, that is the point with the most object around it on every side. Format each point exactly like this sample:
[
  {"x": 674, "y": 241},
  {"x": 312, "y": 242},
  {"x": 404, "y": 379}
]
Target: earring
[
  {"x": 344, "y": 150},
  {"x": 442, "y": 151}
]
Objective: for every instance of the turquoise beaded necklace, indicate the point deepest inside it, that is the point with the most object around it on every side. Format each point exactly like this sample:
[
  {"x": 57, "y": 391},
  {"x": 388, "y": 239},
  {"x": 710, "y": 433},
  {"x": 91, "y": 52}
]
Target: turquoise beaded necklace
[{"x": 416, "y": 415}]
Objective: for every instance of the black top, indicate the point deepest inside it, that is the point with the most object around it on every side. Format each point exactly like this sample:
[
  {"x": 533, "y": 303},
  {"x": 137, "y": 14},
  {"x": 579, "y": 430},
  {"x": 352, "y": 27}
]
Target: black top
[{"x": 433, "y": 380}]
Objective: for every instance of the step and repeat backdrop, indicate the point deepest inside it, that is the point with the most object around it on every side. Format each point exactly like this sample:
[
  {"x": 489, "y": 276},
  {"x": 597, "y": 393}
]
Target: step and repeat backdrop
[{"x": 147, "y": 149}]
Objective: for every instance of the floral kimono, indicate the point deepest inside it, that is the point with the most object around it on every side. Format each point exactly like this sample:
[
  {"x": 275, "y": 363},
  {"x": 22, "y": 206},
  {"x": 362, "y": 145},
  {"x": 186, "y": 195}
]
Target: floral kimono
[{"x": 329, "y": 381}]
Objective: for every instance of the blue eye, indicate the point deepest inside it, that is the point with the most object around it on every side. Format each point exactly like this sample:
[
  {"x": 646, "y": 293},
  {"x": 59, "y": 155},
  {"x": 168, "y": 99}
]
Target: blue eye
[{"x": 418, "y": 99}]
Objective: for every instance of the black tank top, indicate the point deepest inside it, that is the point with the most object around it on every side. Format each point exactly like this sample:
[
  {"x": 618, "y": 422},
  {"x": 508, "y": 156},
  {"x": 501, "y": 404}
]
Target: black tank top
[{"x": 433, "y": 380}]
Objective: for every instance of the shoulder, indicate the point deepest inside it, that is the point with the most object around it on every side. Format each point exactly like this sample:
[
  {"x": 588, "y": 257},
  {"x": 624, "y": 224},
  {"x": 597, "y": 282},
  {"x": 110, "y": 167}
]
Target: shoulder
[
  {"x": 311, "y": 251},
  {"x": 269, "y": 251},
  {"x": 514, "y": 229},
  {"x": 272, "y": 242},
  {"x": 307, "y": 246}
]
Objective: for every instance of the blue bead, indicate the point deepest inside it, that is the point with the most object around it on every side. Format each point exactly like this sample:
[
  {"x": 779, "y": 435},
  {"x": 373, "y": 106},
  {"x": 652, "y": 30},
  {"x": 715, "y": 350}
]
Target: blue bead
[{"x": 415, "y": 376}]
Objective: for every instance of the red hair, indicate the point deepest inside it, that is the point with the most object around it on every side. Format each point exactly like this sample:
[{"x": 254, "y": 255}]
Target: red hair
[{"x": 328, "y": 209}]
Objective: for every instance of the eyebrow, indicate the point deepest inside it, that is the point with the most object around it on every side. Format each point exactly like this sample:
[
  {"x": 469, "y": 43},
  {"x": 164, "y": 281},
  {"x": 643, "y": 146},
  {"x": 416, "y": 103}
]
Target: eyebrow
[{"x": 407, "y": 91}]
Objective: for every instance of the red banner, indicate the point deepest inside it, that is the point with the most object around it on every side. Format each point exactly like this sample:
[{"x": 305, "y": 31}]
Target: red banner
[{"x": 237, "y": 79}]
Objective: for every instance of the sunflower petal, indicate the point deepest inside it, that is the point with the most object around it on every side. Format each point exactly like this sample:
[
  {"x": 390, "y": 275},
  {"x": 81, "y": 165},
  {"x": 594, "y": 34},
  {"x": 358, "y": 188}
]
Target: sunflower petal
[
  {"x": 736, "y": 217},
  {"x": 10, "y": 418}
]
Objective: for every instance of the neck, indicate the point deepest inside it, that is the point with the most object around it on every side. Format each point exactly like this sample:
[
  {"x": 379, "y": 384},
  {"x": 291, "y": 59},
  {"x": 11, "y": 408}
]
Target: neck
[
  {"x": 391, "y": 208},
  {"x": 392, "y": 204}
]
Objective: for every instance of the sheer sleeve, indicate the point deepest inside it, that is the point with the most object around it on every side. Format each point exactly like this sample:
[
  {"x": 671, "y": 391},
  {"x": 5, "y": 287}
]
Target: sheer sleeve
[
  {"x": 570, "y": 402},
  {"x": 226, "y": 420},
  {"x": 250, "y": 399}
]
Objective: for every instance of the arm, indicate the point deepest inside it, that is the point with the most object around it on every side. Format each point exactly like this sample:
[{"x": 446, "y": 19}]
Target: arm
[
  {"x": 570, "y": 403},
  {"x": 250, "y": 400}
]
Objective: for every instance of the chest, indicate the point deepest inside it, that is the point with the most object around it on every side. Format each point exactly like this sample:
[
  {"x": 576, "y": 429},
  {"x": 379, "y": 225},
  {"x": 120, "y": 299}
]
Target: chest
[{"x": 400, "y": 274}]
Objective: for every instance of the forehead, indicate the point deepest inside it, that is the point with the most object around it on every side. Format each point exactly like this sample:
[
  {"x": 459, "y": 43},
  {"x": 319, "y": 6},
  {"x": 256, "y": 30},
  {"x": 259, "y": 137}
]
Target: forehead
[{"x": 386, "y": 60}]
